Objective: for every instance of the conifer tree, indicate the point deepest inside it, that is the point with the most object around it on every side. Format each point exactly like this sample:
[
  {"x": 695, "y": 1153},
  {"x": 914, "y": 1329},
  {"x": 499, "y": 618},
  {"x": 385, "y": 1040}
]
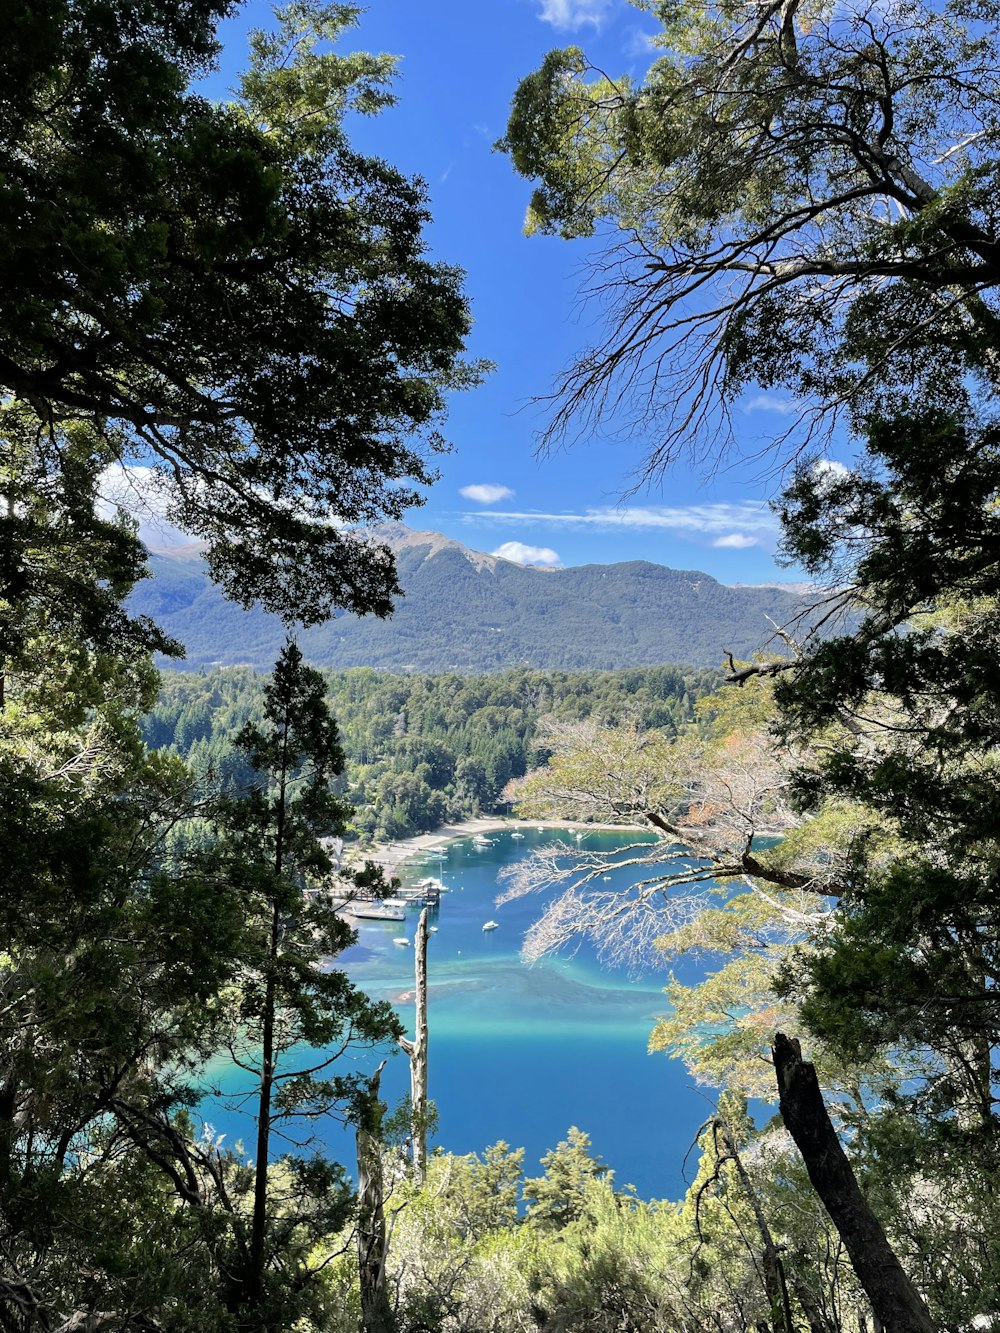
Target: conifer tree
[{"x": 295, "y": 1013}]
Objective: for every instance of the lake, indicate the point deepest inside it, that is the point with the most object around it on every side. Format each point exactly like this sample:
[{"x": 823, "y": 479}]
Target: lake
[{"x": 522, "y": 1051}]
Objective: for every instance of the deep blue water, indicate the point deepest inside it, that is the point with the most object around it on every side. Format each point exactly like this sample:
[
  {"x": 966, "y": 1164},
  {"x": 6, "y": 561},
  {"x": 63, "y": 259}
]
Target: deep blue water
[{"x": 522, "y": 1051}]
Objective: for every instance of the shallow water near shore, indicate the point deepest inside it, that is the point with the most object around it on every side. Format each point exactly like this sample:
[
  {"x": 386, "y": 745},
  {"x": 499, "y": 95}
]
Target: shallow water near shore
[{"x": 520, "y": 1051}]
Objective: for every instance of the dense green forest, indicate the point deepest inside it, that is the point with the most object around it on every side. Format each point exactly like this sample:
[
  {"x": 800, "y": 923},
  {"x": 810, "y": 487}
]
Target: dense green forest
[
  {"x": 226, "y": 296},
  {"x": 422, "y": 750}
]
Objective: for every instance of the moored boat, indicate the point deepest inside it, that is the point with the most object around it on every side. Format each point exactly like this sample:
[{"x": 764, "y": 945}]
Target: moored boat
[{"x": 378, "y": 911}]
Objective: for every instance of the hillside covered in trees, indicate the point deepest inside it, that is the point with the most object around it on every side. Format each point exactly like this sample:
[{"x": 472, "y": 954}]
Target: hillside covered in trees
[
  {"x": 465, "y": 611},
  {"x": 422, "y": 750}
]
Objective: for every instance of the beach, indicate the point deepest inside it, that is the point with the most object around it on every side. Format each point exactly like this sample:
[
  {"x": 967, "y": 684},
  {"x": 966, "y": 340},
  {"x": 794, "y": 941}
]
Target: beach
[{"x": 392, "y": 856}]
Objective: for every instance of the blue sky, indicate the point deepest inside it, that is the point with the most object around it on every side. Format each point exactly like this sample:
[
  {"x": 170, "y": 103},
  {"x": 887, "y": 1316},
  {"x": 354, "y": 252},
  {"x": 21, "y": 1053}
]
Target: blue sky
[{"x": 460, "y": 61}]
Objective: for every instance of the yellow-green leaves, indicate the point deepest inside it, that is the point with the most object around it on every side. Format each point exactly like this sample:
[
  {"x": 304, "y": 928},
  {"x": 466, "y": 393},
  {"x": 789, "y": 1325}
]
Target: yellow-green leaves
[
  {"x": 602, "y": 773},
  {"x": 297, "y": 87}
]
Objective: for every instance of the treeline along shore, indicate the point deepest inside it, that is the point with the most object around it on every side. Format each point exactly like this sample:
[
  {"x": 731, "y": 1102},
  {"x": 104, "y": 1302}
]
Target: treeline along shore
[{"x": 424, "y": 752}]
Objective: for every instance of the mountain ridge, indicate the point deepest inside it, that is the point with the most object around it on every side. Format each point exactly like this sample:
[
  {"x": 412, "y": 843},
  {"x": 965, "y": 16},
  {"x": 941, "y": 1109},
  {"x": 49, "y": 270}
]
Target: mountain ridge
[{"x": 469, "y": 612}]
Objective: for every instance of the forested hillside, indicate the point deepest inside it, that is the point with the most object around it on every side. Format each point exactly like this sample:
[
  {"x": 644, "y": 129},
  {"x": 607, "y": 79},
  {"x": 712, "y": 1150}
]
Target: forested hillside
[
  {"x": 465, "y": 611},
  {"x": 422, "y": 750}
]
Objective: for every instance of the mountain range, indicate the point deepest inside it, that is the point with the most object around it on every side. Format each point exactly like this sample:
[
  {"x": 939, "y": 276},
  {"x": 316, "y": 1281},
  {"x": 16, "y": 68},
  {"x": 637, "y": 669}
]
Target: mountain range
[{"x": 468, "y": 612}]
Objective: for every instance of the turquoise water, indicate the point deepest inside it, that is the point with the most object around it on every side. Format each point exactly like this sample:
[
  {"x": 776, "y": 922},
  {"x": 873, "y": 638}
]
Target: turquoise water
[{"x": 522, "y": 1051}]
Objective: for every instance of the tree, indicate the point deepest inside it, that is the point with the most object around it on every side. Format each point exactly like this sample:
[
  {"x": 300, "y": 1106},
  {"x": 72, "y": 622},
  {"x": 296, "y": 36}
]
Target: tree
[
  {"x": 914, "y": 956},
  {"x": 735, "y": 881},
  {"x": 790, "y": 197},
  {"x": 458, "y": 1254},
  {"x": 558, "y": 1197},
  {"x": 112, "y": 964},
  {"x": 65, "y": 570},
  {"x": 227, "y": 292},
  {"x": 718, "y": 807},
  {"x": 287, "y": 1001},
  {"x": 896, "y": 1303},
  {"x": 813, "y": 196},
  {"x": 417, "y": 1053}
]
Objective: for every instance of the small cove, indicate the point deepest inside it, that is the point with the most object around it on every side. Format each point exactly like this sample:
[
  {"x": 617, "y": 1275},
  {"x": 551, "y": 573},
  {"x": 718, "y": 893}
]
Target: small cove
[{"x": 519, "y": 1051}]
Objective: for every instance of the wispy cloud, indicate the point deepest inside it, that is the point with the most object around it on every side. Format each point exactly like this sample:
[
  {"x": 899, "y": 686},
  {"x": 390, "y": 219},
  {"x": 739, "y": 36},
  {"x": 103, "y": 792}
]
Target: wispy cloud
[
  {"x": 486, "y": 493},
  {"x": 570, "y": 14},
  {"x": 638, "y": 44},
  {"x": 708, "y": 520},
  {"x": 527, "y": 555},
  {"x": 735, "y": 541},
  {"x": 770, "y": 402}
]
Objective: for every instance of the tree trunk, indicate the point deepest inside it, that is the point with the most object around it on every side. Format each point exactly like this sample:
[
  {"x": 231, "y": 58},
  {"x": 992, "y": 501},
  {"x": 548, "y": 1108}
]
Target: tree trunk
[
  {"x": 417, "y": 1052},
  {"x": 258, "y": 1228},
  {"x": 815, "y": 1317},
  {"x": 376, "y": 1313},
  {"x": 895, "y": 1301},
  {"x": 773, "y": 1272}
]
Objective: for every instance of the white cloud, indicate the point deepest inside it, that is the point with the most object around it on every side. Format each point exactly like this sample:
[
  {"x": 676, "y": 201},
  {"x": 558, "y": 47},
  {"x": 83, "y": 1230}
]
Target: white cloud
[
  {"x": 570, "y": 14},
  {"x": 139, "y": 491},
  {"x": 709, "y": 520},
  {"x": 527, "y": 555},
  {"x": 735, "y": 541},
  {"x": 829, "y": 467},
  {"x": 769, "y": 402},
  {"x": 828, "y": 472},
  {"x": 488, "y": 493}
]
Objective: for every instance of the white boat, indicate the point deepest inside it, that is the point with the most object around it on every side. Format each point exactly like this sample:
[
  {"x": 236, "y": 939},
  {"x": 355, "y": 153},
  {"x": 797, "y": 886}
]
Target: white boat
[
  {"x": 480, "y": 841},
  {"x": 492, "y": 925},
  {"x": 432, "y": 929},
  {"x": 378, "y": 911},
  {"x": 401, "y": 940}
]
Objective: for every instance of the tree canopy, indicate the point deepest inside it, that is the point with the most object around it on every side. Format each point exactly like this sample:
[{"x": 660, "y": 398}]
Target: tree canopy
[
  {"x": 225, "y": 291},
  {"x": 792, "y": 196}
]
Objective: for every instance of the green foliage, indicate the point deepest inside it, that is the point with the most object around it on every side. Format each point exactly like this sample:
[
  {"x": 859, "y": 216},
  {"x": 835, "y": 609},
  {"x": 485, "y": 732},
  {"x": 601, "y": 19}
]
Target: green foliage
[
  {"x": 421, "y": 749},
  {"x": 558, "y": 1197},
  {"x": 915, "y": 952},
  {"x": 112, "y": 968},
  {"x": 292, "y": 1013},
  {"x": 246, "y": 296},
  {"x": 65, "y": 572},
  {"x": 795, "y": 197},
  {"x": 464, "y": 1260}
]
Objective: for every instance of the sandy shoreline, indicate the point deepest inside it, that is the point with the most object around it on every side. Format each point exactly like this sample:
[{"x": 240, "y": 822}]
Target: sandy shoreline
[{"x": 392, "y": 856}]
